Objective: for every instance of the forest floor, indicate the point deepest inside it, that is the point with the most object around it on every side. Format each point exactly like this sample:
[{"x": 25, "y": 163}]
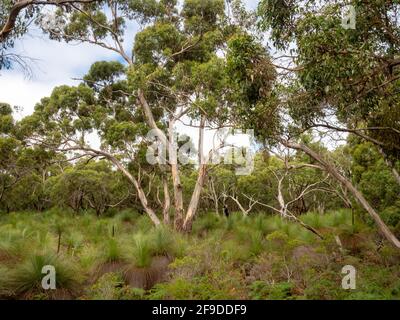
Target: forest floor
[{"x": 257, "y": 257}]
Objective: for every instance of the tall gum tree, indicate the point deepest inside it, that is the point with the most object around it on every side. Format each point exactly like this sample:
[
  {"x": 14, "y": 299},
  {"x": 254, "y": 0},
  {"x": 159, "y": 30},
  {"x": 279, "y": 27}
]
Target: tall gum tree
[
  {"x": 176, "y": 73},
  {"x": 336, "y": 75},
  {"x": 341, "y": 73}
]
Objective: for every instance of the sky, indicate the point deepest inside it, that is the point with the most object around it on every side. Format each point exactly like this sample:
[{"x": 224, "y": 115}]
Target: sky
[
  {"x": 55, "y": 63},
  {"x": 58, "y": 63}
]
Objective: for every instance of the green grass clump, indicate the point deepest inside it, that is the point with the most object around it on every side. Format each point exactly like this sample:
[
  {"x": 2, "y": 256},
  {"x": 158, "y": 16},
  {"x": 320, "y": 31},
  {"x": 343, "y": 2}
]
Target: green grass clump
[
  {"x": 260, "y": 256},
  {"x": 232, "y": 251},
  {"x": 74, "y": 242},
  {"x": 158, "y": 242},
  {"x": 256, "y": 243},
  {"x": 142, "y": 251},
  {"x": 27, "y": 277},
  {"x": 216, "y": 285},
  {"x": 162, "y": 241},
  {"x": 143, "y": 224},
  {"x": 4, "y": 281},
  {"x": 260, "y": 223},
  {"x": 112, "y": 251},
  {"x": 207, "y": 223},
  {"x": 313, "y": 219}
]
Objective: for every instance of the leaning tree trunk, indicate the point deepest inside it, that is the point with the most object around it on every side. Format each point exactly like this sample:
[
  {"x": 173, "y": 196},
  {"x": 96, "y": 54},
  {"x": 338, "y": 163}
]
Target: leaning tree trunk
[
  {"x": 383, "y": 228},
  {"x": 194, "y": 202},
  {"x": 140, "y": 192}
]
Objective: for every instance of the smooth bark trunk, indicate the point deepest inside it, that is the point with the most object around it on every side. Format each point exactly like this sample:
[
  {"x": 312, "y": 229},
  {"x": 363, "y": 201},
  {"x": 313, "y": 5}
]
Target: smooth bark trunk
[
  {"x": 167, "y": 202},
  {"x": 194, "y": 202},
  {"x": 176, "y": 180}
]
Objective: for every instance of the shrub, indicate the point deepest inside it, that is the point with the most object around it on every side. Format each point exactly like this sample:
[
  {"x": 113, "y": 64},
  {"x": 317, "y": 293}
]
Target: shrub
[
  {"x": 233, "y": 251},
  {"x": 261, "y": 290},
  {"x": 217, "y": 285},
  {"x": 143, "y": 224},
  {"x": 111, "y": 286},
  {"x": 107, "y": 287},
  {"x": 391, "y": 215},
  {"x": 324, "y": 285},
  {"x": 339, "y": 218},
  {"x": 261, "y": 225},
  {"x": 313, "y": 219},
  {"x": 74, "y": 241}
]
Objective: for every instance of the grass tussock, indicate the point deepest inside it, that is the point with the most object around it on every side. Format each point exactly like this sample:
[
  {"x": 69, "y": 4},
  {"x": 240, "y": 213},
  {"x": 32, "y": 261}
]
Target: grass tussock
[{"x": 255, "y": 257}]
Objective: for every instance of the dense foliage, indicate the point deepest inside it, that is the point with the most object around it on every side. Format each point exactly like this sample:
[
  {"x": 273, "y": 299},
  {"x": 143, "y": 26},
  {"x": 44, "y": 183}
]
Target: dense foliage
[{"x": 323, "y": 191}]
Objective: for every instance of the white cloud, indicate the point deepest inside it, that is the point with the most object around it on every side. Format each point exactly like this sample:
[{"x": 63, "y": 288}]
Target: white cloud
[
  {"x": 54, "y": 64},
  {"x": 18, "y": 91},
  {"x": 251, "y": 4},
  {"x": 58, "y": 63}
]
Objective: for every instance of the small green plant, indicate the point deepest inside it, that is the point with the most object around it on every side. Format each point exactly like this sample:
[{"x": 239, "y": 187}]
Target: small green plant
[
  {"x": 107, "y": 287},
  {"x": 206, "y": 223},
  {"x": 112, "y": 251},
  {"x": 143, "y": 224},
  {"x": 256, "y": 243},
  {"x": 162, "y": 241},
  {"x": 313, "y": 219},
  {"x": 261, "y": 290},
  {"x": 260, "y": 224},
  {"x": 142, "y": 251},
  {"x": 111, "y": 286}
]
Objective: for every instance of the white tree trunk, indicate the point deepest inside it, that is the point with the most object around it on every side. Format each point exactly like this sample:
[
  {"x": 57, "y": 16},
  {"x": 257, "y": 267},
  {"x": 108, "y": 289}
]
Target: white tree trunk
[
  {"x": 167, "y": 202},
  {"x": 194, "y": 202},
  {"x": 176, "y": 180}
]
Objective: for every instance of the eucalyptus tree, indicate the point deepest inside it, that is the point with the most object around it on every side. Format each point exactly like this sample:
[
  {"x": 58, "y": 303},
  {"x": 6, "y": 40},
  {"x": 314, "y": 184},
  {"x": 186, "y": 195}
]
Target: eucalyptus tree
[
  {"x": 337, "y": 77},
  {"x": 22, "y": 170},
  {"x": 345, "y": 65},
  {"x": 87, "y": 185},
  {"x": 176, "y": 73},
  {"x": 9, "y": 175}
]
